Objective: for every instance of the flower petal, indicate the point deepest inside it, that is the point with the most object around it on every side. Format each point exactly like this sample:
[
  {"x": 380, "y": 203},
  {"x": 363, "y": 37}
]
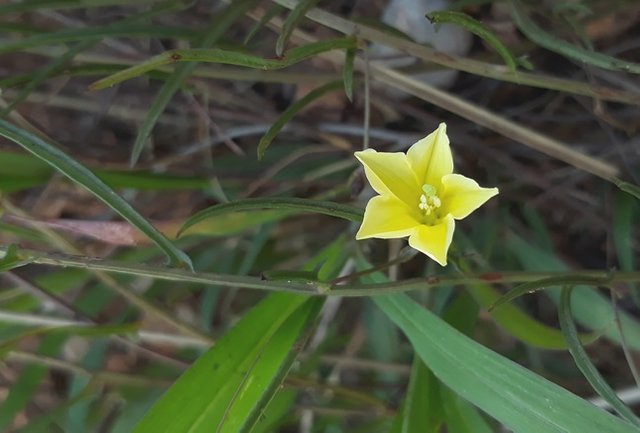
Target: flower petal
[
  {"x": 434, "y": 240},
  {"x": 430, "y": 158},
  {"x": 390, "y": 175},
  {"x": 387, "y": 217},
  {"x": 462, "y": 195}
]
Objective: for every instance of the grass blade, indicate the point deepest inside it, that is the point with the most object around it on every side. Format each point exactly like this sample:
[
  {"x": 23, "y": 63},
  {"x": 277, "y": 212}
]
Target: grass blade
[
  {"x": 12, "y": 259},
  {"x": 84, "y": 177},
  {"x": 422, "y": 410},
  {"x": 519, "y": 324},
  {"x": 584, "y": 363},
  {"x": 521, "y": 400},
  {"x": 589, "y": 307},
  {"x": 291, "y": 111},
  {"x": 218, "y": 28},
  {"x": 477, "y": 28},
  {"x": 551, "y": 43},
  {"x": 226, "y": 388},
  {"x": 347, "y": 72},
  {"x": 220, "y": 56},
  {"x": 294, "y": 17},
  {"x": 545, "y": 283},
  {"x": 298, "y": 204},
  {"x": 627, "y": 187},
  {"x": 273, "y": 10}
]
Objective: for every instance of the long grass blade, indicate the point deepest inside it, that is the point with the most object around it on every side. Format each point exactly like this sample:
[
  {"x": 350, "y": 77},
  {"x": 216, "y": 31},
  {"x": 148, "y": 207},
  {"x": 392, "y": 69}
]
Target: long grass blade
[
  {"x": 295, "y": 16},
  {"x": 520, "y": 399},
  {"x": 290, "y": 203},
  {"x": 477, "y": 28},
  {"x": 584, "y": 363},
  {"x": 544, "y": 39},
  {"x": 291, "y": 111},
  {"x": 545, "y": 283},
  {"x": 225, "y": 57}
]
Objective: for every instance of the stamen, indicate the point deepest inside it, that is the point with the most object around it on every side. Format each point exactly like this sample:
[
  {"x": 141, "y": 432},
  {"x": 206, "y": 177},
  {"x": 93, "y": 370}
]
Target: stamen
[{"x": 429, "y": 201}]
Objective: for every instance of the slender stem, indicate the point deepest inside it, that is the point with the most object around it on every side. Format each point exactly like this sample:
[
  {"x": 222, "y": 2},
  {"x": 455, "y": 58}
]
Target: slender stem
[{"x": 311, "y": 288}]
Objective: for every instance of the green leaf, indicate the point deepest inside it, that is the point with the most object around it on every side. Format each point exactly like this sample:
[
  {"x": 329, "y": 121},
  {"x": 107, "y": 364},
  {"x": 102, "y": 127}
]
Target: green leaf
[
  {"x": 422, "y": 410},
  {"x": 518, "y": 398},
  {"x": 295, "y": 16},
  {"x": 298, "y": 204},
  {"x": 12, "y": 259},
  {"x": 216, "y": 55},
  {"x": 477, "y": 28},
  {"x": 551, "y": 43},
  {"x": 226, "y": 388},
  {"x": 291, "y": 111},
  {"x": 519, "y": 324},
  {"x": 627, "y": 187},
  {"x": 546, "y": 283},
  {"x": 273, "y": 10},
  {"x": 623, "y": 235},
  {"x": 623, "y": 231},
  {"x": 347, "y": 72},
  {"x": 461, "y": 417},
  {"x": 589, "y": 307},
  {"x": 84, "y": 177},
  {"x": 584, "y": 363}
]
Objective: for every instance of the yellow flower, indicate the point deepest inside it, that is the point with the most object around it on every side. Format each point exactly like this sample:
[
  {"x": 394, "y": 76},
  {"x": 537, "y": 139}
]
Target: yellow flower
[{"x": 420, "y": 197}]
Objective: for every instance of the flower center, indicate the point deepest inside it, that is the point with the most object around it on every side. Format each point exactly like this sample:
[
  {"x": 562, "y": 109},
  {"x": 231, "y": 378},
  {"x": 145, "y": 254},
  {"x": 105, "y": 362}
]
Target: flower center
[{"x": 429, "y": 200}]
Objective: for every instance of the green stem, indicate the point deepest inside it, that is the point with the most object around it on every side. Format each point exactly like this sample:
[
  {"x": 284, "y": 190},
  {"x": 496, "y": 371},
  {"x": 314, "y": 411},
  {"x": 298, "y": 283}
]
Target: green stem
[{"x": 311, "y": 288}]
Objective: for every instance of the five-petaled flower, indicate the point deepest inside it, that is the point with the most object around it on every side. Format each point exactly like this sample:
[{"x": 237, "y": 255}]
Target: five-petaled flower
[{"x": 420, "y": 197}]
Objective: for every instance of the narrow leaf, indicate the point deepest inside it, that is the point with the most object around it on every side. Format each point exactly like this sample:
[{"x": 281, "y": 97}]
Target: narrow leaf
[
  {"x": 12, "y": 259},
  {"x": 477, "y": 28},
  {"x": 347, "y": 72},
  {"x": 291, "y": 111},
  {"x": 217, "y": 29},
  {"x": 519, "y": 324},
  {"x": 461, "y": 416},
  {"x": 422, "y": 410},
  {"x": 216, "y": 55},
  {"x": 294, "y": 17},
  {"x": 84, "y": 177},
  {"x": 297, "y": 204},
  {"x": 584, "y": 363},
  {"x": 551, "y": 43},
  {"x": 227, "y": 387},
  {"x": 589, "y": 307},
  {"x": 521, "y": 400},
  {"x": 627, "y": 187},
  {"x": 273, "y": 10},
  {"x": 546, "y": 283}
]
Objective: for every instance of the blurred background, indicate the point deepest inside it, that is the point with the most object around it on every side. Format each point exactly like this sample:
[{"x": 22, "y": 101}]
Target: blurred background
[{"x": 181, "y": 137}]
